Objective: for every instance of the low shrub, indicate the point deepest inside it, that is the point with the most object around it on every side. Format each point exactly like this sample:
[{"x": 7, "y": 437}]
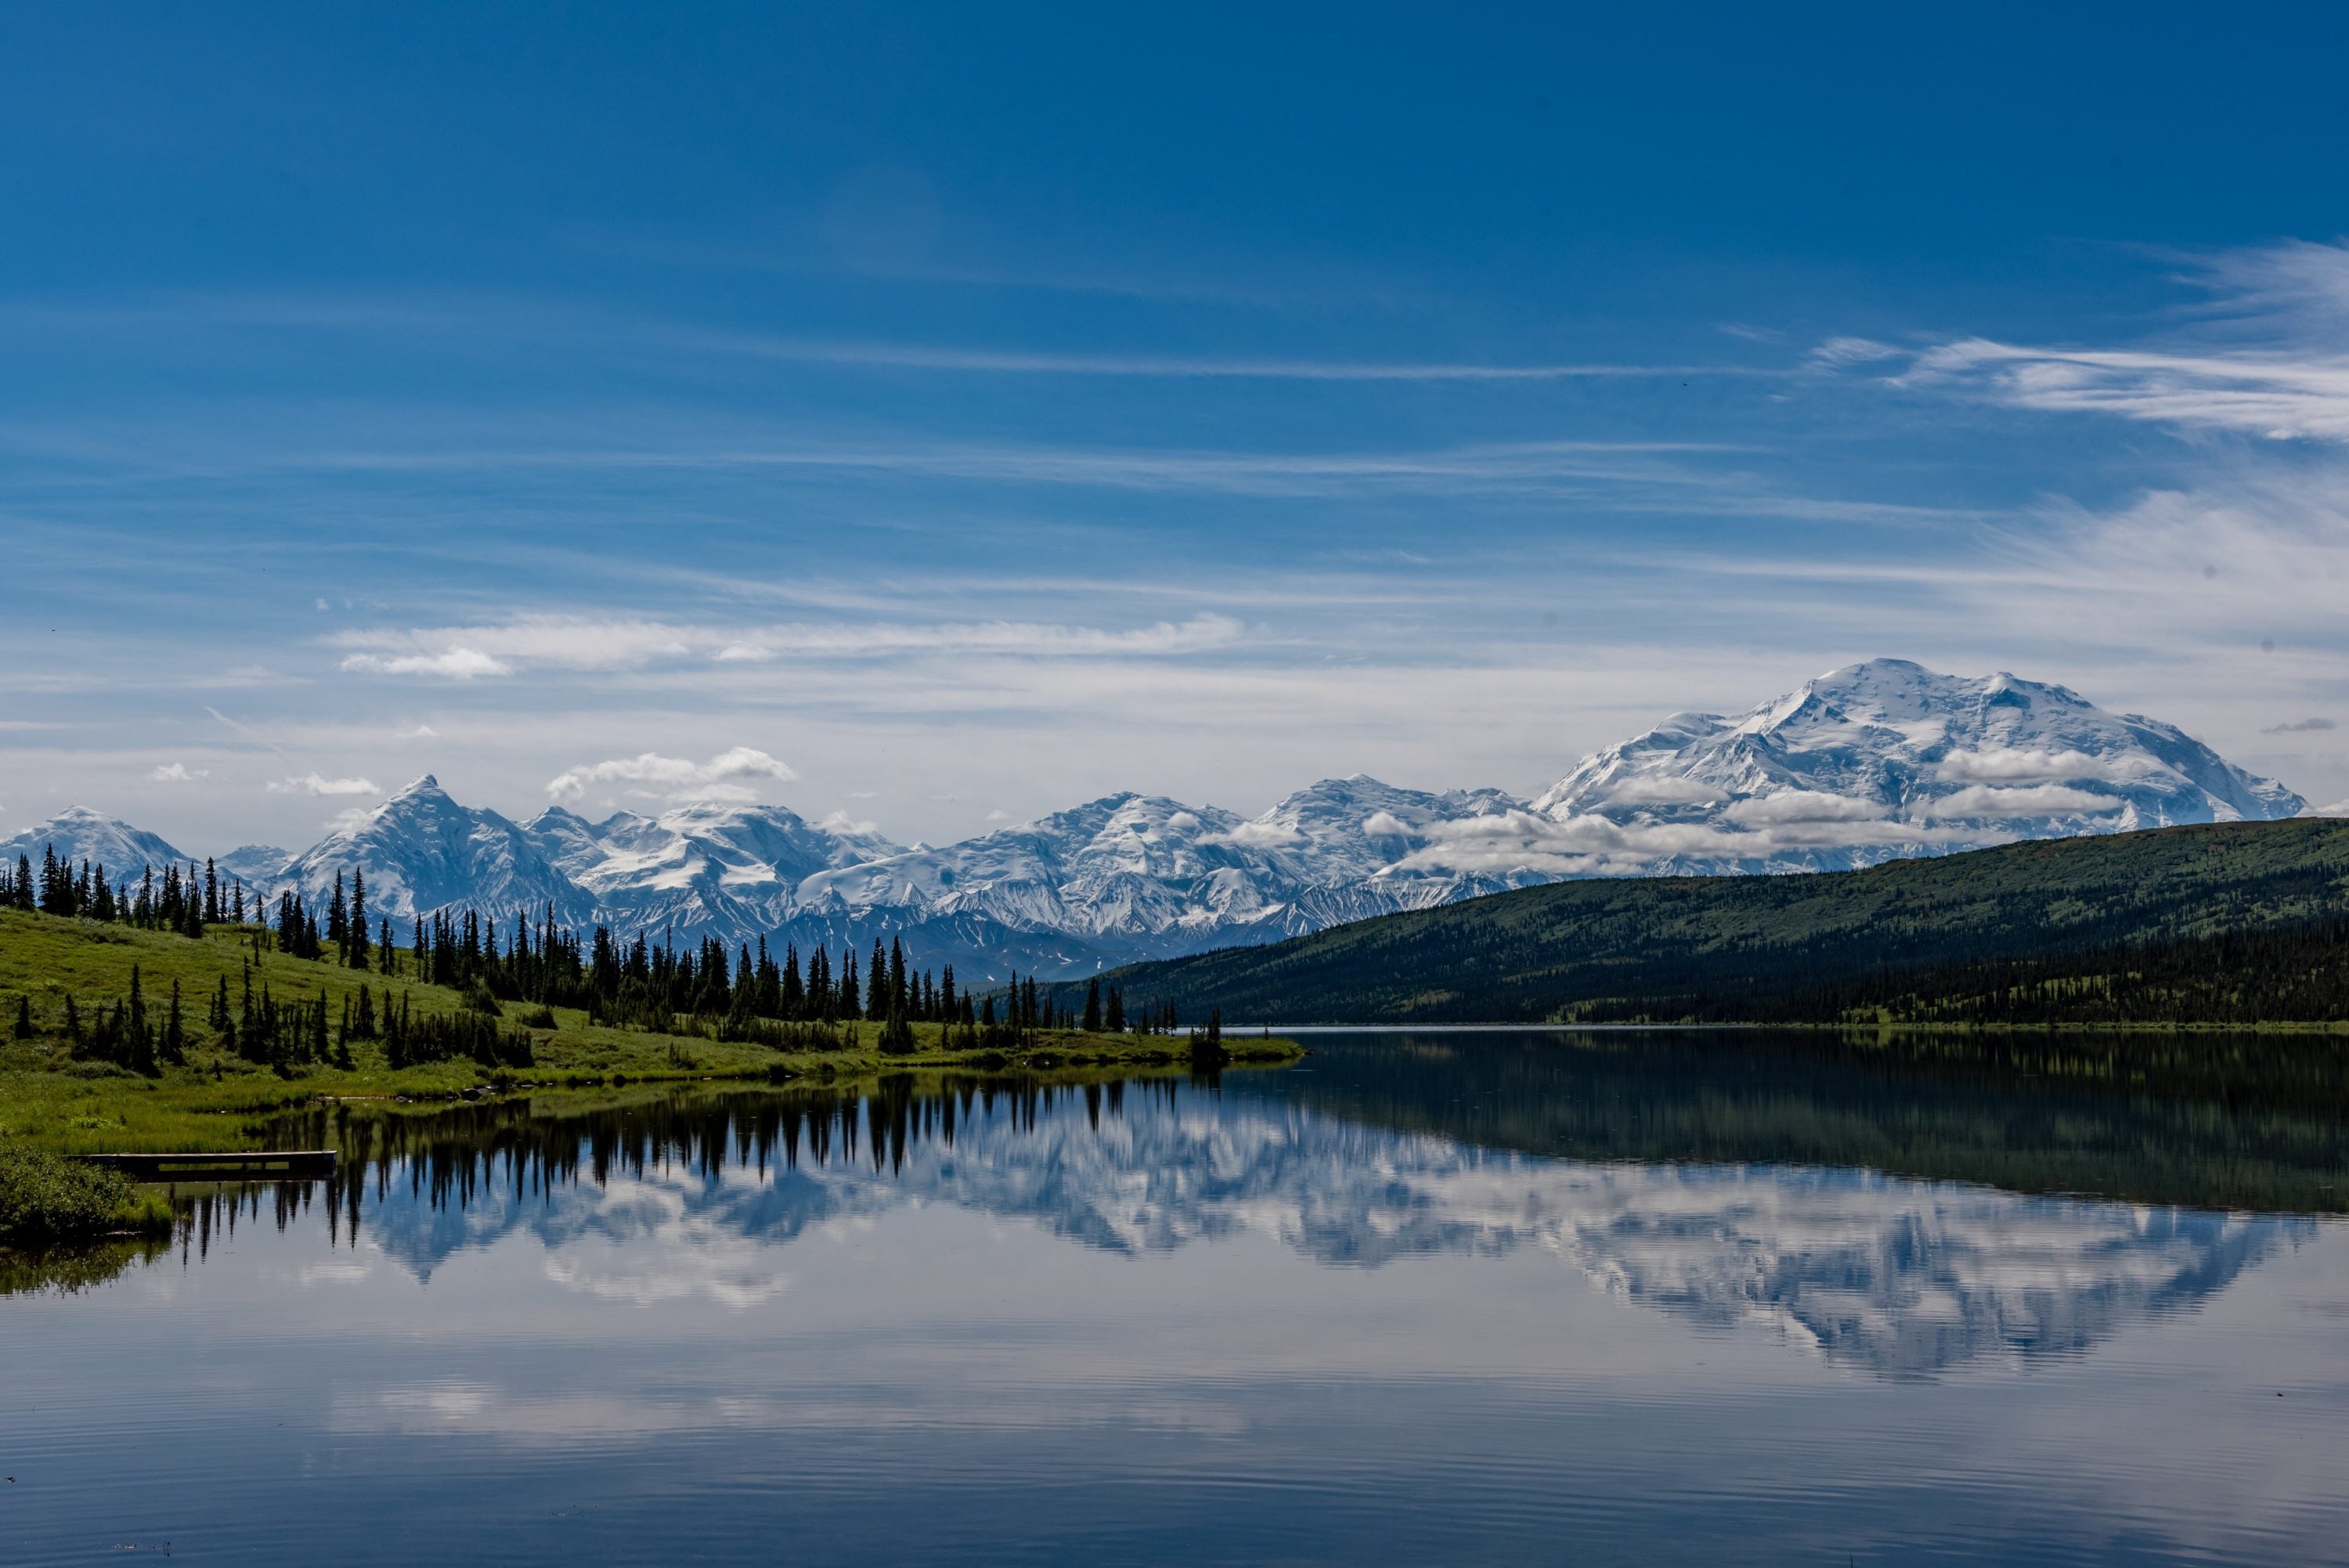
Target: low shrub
[{"x": 45, "y": 1197}]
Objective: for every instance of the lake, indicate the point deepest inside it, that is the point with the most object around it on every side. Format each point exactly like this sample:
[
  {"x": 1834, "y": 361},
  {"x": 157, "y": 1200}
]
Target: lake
[{"x": 1520, "y": 1296}]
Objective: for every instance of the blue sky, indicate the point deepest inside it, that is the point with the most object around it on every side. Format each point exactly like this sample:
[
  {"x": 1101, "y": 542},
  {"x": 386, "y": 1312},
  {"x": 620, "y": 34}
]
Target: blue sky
[{"x": 977, "y": 411}]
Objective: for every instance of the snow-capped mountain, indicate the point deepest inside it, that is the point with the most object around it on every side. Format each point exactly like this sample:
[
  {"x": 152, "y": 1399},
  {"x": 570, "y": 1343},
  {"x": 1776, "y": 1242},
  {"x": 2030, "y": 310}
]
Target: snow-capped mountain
[
  {"x": 256, "y": 864},
  {"x": 1872, "y": 762},
  {"x": 1144, "y": 870},
  {"x": 422, "y": 850},
  {"x": 1864, "y": 764},
  {"x": 80, "y": 834},
  {"x": 1888, "y": 759},
  {"x": 702, "y": 865}
]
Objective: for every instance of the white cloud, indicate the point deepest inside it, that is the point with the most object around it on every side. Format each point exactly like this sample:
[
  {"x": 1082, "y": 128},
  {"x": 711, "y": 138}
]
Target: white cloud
[
  {"x": 569, "y": 642},
  {"x": 676, "y": 776},
  {"x": 2021, "y": 765},
  {"x": 1644, "y": 791},
  {"x": 1385, "y": 825},
  {"x": 1183, "y": 822},
  {"x": 318, "y": 784},
  {"x": 1800, "y": 806},
  {"x": 2277, "y": 399},
  {"x": 1841, "y": 351},
  {"x": 2029, "y": 800},
  {"x": 2271, "y": 360},
  {"x": 453, "y": 664},
  {"x": 2300, "y": 726},
  {"x": 1589, "y": 845},
  {"x": 843, "y": 823},
  {"x": 177, "y": 773},
  {"x": 1018, "y": 638},
  {"x": 998, "y": 815},
  {"x": 421, "y": 732},
  {"x": 1256, "y": 836}
]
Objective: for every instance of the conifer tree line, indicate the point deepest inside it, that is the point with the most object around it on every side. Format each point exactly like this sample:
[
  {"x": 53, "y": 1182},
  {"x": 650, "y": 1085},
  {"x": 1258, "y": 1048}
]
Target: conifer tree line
[
  {"x": 749, "y": 994},
  {"x": 185, "y": 902},
  {"x": 2291, "y": 974}
]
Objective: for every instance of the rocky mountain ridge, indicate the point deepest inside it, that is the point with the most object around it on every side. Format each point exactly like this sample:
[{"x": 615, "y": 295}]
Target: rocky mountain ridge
[{"x": 1871, "y": 762}]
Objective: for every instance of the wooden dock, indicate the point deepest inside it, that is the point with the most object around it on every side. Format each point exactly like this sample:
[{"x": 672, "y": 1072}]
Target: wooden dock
[{"x": 278, "y": 1165}]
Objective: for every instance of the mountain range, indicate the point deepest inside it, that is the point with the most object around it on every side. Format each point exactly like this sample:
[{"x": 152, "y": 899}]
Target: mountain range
[{"x": 1875, "y": 762}]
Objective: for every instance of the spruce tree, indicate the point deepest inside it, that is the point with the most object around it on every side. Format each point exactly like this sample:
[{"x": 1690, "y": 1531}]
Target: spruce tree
[
  {"x": 1092, "y": 1022},
  {"x": 357, "y": 957}
]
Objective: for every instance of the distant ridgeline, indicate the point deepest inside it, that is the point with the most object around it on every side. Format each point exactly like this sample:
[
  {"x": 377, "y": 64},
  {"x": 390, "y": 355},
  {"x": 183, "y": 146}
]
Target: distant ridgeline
[
  {"x": 2224, "y": 924},
  {"x": 747, "y": 994}
]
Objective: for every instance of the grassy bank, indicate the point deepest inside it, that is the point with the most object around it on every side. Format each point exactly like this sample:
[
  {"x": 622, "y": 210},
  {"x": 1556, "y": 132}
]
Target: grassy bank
[{"x": 53, "y": 1098}]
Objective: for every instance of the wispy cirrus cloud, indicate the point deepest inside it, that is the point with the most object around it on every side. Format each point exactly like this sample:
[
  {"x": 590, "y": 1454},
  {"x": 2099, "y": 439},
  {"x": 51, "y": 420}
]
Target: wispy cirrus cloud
[
  {"x": 2265, "y": 395},
  {"x": 1175, "y": 366},
  {"x": 578, "y": 643},
  {"x": 2267, "y": 356},
  {"x": 177, "y": 773},
  {"x": 676, "y": 778}
]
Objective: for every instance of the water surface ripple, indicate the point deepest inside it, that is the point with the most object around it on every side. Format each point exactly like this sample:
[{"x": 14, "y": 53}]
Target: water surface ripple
[{"x": 1425, "y": 1298}]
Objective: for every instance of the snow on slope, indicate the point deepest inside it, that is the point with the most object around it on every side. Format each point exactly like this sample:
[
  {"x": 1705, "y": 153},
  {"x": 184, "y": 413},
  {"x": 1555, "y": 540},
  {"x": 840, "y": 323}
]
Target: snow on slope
[
  {"x": 1868, "y": 763},
  {"x": 1133, "y": 866},
  {"x": 736, "y": 868},
  {"x": 422, "y": 850},
  {"x": 81, "y": 834}
]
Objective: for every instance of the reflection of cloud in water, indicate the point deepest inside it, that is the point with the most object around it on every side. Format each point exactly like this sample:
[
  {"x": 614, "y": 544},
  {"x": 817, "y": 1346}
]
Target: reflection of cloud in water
[{"x": 1890, "y": 1275}]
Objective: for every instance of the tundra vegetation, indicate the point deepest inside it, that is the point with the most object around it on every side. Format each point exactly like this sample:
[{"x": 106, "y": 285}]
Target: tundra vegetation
[{"x": 170, "y": 1015}]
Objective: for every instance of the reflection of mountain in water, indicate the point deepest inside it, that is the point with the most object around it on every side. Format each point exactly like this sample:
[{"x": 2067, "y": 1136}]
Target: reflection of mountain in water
[{"x": 1890, "y": 1275}]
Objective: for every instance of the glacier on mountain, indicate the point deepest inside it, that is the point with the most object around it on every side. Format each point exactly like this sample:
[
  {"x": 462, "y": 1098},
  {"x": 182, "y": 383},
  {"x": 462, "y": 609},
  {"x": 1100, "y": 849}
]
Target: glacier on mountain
[{"x": 1866, "y": 763}]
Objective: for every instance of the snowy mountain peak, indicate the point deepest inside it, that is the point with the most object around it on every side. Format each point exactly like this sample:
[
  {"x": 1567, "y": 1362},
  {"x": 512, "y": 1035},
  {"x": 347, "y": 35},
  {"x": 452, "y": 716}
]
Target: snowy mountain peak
[
  {"x": 78, "y": 833},
  {"x": 1881, "y": 760}
]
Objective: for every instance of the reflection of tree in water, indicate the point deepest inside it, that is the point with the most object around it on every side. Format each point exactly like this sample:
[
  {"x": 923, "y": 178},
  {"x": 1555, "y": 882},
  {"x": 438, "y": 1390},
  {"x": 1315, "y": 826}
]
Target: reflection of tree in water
[
  {"x": 2211, "y": 1120},
  {"x": 71, "y": 1269},
  {"x": 701, "y": 1194}
]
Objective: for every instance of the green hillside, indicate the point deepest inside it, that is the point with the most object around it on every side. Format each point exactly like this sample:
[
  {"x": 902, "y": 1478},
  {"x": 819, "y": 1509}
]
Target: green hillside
[
  {"x": 2223, "y": 923},
  {"x": 85, "y": 1068}
]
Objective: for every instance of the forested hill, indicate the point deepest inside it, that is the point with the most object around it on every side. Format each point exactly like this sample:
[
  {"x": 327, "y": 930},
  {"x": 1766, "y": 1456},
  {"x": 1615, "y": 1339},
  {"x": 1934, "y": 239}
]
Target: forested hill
[{"x": 1969, "y": 937}]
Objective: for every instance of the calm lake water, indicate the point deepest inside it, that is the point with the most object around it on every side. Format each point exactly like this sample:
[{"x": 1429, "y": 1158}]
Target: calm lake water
[{"x": 1425, "y": 1298}]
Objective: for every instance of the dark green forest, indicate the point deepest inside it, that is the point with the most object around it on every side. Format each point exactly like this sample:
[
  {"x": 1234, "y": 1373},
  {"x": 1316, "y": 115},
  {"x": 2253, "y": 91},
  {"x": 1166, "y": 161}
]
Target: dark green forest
[{"x": 2227, "y": 924}]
